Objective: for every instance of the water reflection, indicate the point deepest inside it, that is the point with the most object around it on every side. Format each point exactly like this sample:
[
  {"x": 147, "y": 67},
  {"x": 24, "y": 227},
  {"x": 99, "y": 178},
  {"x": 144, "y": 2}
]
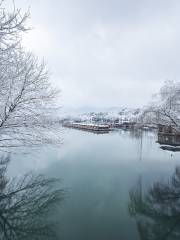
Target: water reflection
[
  {"x": 26, "y": 206},
  {"x": 157, "y": 212},
  {"x": 136, "y": 134}
]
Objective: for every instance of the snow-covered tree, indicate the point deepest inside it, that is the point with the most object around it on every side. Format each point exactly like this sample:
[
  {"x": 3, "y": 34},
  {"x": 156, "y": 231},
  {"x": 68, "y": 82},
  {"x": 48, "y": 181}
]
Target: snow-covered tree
[
  {"x": 165, "y": 107},
  {"x": 26, "y": 95}
]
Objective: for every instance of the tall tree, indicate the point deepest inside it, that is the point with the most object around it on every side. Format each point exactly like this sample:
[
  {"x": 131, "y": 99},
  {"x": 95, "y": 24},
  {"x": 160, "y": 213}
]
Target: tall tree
[
  {"x": 26, "y": 95},
  {"x": 165, "y": 107}
]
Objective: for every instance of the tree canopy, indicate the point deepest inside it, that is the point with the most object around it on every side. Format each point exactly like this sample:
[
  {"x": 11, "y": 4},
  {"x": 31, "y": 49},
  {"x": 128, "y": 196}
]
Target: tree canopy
[{"x": 165, "y": 107}]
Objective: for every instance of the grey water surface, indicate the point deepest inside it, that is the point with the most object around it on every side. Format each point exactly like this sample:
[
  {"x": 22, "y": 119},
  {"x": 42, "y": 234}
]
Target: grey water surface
[{"x": 99, "y": 173}]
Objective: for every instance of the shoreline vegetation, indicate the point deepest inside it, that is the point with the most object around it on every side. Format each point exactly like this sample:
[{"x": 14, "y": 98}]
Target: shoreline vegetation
[{"x": 162, "y": 115}]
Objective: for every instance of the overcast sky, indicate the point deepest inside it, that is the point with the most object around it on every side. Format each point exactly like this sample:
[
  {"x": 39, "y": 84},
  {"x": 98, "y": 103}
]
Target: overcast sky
[{"x": 106, "y": 52}]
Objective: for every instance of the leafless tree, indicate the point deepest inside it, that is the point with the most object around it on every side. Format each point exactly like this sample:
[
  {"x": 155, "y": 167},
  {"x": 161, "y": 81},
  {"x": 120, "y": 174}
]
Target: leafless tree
[
  {"x": 26, "y": 95},
  {"x": 27, "y": 206},
  {"x": 25, "y": 103},
  {"x": 165, "y": 107},
  {"x": 12, "y": 24}
]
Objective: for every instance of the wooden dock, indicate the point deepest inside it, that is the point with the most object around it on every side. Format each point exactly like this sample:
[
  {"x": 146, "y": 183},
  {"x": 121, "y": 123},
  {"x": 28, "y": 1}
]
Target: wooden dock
[
  {"x": 125, "y": 125},
  {"x": 169, "y": 139},
  {"x": 168, "y": 135}
]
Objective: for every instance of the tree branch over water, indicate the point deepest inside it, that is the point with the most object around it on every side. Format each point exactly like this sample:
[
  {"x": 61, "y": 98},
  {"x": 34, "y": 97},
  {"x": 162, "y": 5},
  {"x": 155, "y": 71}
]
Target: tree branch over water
[{"x": 27, "y": 98}]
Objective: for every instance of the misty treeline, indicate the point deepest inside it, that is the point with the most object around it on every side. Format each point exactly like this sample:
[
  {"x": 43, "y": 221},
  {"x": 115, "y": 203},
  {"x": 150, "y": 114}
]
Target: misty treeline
[
  {"x": 165, "y": 106},
  {"x": 26, "y": 95}
]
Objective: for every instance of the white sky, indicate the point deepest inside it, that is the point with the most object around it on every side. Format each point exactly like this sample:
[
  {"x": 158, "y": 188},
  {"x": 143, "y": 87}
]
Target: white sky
[{"x": 106, "y": 52}]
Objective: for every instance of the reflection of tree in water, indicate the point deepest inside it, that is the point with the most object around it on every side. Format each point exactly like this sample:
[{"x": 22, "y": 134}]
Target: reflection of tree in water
[
  {"x": 136, "y": 133},
  {"x": 157, "y": 212},
  {"x": 25, "y": 206}
]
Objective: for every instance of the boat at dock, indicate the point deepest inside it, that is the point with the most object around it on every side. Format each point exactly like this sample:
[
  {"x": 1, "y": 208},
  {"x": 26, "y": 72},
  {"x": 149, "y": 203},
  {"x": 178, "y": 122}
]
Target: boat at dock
[
  {"x": 98, "y": 128},
  {"x": 124, "y": 125},
  {"x": 170, "y": 148}
]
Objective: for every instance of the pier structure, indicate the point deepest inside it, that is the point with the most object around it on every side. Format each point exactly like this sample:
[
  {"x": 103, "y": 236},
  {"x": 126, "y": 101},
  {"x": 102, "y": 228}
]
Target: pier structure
[
  {"x": 169, "y": 138},
  {"x": 125, "y": 125},
  {"x": 99, "y": 128}
]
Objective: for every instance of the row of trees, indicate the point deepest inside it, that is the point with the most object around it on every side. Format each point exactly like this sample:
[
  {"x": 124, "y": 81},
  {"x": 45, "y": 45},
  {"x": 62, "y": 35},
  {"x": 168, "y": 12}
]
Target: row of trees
[{"x": 26, "y": 95}]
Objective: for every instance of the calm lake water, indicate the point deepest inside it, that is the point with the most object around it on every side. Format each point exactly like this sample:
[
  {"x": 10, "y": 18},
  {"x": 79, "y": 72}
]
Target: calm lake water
[{"x": 98, "y": 173}]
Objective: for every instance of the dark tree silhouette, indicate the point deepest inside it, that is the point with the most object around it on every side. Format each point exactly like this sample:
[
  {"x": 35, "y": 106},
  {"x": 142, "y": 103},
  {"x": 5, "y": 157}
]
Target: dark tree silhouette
[
  {"x": 157, "y": 212},
  {"x": 26, "y": 206}
]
